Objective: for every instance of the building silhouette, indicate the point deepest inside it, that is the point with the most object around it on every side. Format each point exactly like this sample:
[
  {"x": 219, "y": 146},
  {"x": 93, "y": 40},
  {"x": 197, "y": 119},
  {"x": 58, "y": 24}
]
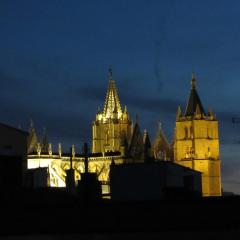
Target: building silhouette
[
  {"x": 13, "y": 156},
  {"x": 154, "y": 181}
]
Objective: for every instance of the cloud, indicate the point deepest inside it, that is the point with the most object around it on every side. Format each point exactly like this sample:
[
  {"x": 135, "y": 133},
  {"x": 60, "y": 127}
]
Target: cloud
[
  {"x": 152, "y": 104},
  {"x": 6, "y": 79},
  {"x": 91, "y": 92},
  {"x": 11, "y": 84},
  {"x": 65, "y": 125},
  {"x": 142, "y": 103}
]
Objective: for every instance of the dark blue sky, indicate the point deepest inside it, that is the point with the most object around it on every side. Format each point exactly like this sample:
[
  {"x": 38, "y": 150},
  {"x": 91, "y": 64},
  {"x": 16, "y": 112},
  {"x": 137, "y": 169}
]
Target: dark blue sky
[{"x": 55, "y": 55}]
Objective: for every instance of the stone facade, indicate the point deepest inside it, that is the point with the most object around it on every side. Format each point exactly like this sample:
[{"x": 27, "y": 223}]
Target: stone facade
[
  {"x": 111, "y": 131},
  {"x": 115, "y": 138},
  {"x": 196, "y": 143}
]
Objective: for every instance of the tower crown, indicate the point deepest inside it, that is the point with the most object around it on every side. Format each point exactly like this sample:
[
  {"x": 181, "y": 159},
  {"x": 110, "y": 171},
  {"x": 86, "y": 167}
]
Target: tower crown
[
  {"x": 112, "y": 104},
  {"x": 194, "y": 102}
]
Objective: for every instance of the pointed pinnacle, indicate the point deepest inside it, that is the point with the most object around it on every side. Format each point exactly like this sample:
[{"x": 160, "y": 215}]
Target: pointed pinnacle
[
  {"x": 159, "y": 126},
  {"x": 110, "y": 73},
  {"x": 197, "y": 111},
  {"x": 31, "y": 123},
  {"x": 193, "y": 81},
  {"x": 179, "y": 112},
  {"x": 210, "y": 112}
]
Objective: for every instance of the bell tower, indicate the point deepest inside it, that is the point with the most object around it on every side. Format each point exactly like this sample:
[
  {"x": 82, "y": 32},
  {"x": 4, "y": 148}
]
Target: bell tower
[
  {"x": 196, "y": 142},
  {"x": 111, "y": 131}
]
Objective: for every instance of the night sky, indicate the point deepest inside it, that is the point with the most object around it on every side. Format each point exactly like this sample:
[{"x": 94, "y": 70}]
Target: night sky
[{"x": 55, "y": 56}]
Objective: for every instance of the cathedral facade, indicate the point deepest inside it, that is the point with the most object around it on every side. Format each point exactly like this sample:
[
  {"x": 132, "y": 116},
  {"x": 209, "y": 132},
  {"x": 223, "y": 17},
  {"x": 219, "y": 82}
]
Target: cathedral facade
[
  {"x": 116, "y": 138},
  {"x": 113, "y": 134}
]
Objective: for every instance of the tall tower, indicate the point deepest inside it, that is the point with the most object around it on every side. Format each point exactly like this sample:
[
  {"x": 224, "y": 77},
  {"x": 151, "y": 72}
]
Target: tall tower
[
  {"x": 196, "y": 142},
  {"x": 111, "y": 131}
]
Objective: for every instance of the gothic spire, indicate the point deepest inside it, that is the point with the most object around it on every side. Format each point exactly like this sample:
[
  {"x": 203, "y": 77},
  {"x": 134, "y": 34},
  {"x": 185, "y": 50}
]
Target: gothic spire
[
  {"x": 211, "y": 113},
  {"x": 32, "y": 139},
  {"x": 136, "y": 145},
  {"x": 193, "y": 100},
  {"x": 110, "y": 73},
  {"x": 179, "y": 113},
  {"x": 146, "y": 147},
  {"x": 159, "y": 126},
  {"x": 112, "y": 103},
  {"x": 146, "y": 139},
  {"x": 45, "y": 141},
  {"x": 198, "y": 111},
  {"x": 193, "y": 81},
  {"x": 161, "y": 147}
]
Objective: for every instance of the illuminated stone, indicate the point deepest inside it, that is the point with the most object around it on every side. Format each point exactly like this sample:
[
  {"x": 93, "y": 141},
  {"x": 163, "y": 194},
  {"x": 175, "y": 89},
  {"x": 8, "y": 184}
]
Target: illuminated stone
[
  {"x": 112, "y": 126},
  {"x": 196, "y": 143},
  {"x": 58, "y": 165},
  {"x": 115, "y": 139}
]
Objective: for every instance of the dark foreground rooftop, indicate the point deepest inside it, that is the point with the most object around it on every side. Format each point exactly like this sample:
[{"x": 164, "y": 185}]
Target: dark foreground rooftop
[{"x": 54, "y": 212}]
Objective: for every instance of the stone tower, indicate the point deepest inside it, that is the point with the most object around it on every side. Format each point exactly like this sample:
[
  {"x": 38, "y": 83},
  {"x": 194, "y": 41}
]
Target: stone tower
[
  {"x": 111, "y": 131},
  {"x": 196, "y": 142}
]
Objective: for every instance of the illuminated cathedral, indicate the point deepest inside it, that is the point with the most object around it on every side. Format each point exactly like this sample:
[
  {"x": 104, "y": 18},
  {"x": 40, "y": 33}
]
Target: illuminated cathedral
[{"x": 117, "y": 139}]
